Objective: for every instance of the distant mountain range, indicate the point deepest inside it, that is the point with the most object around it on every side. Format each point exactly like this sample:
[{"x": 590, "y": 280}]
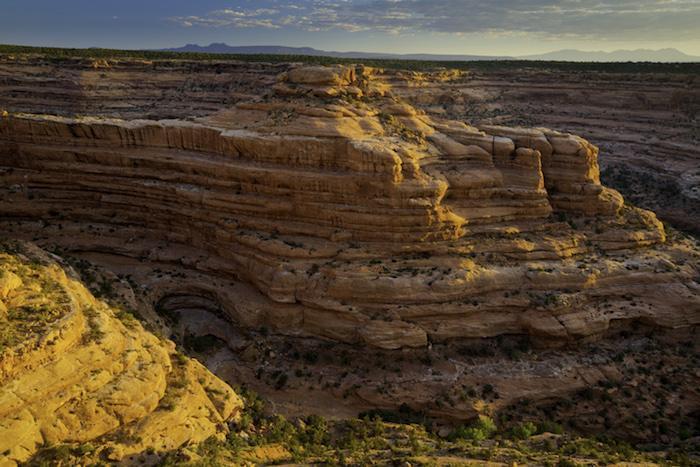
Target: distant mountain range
[
  {"x": 220, "y": 48},
  {"x": 571, "y": 55},
  {"x": 639, "y": 55}
]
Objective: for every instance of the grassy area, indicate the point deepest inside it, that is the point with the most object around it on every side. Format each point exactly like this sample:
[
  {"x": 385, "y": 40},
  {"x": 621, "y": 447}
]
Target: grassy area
[
  {"x": 58, "y": 54},
  {"x": 263, "y": 438}
]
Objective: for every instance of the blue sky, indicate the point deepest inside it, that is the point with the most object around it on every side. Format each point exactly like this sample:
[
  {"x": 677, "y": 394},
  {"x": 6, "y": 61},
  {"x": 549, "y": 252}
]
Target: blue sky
[{"x": 499, "y": 27}]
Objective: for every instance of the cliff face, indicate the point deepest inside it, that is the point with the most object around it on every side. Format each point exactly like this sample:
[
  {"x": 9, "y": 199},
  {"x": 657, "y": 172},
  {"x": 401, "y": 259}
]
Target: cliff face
[
  {"x": 328, "y": 207},
  {"x": 75, "y": 370},
  {"x": 645, "y": 124}
]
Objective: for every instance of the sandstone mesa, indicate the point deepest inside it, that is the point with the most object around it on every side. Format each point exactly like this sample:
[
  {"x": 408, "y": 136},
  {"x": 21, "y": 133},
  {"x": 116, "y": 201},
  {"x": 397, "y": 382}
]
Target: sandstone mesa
[
  {"x": 336, "y": 210},
  {"x": 325, "y": 206},
  {"x": 362, "y": 222}
]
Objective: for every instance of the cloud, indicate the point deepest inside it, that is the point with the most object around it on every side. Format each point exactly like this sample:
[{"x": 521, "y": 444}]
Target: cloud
[
  {"x": 232, "y": 17},
  {"x": 595, "y": 19}
]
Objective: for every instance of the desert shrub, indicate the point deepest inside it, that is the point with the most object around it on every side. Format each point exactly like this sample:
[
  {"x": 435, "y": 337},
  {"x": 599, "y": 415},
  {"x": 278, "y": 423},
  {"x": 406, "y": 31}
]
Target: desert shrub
[
  {"x": 202, "y": 344},
  {"x": 523, "y": 431},
  {"x": 171, "y": 316},
  {"x": 105, "y": 289},
  {"x": 549, "y": 427},
  {"x": 315, "y": 431},
  {"x": 405, "y": 415},
  {"x": 468, "y": 393},
  {"x": 210, "y": 448},
  {"x": 483, "y": 428},
  {"x": 54, "y": 455},
  {"x": 127, "y": 317},
  {"x": 94, "y": 333},
  {"x": 281, "y": 381},
  {"x": 310, "y": 356},
  {"x": 280, "y": 430}
]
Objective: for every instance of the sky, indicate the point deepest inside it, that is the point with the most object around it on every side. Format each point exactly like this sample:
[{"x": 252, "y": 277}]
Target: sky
[{"x": 483, "y": 27}]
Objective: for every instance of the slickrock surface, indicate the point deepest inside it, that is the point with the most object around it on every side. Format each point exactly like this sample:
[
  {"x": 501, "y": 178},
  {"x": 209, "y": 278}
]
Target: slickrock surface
[
  {"x": 74, "y": 370},
  {"x": 327, "y": 206}
]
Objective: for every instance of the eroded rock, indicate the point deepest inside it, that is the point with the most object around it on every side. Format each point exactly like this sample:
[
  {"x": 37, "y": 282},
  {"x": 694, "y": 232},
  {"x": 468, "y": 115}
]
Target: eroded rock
[
  {"x": 74, "y": 370},
  {"x": 352, "y": 216}
]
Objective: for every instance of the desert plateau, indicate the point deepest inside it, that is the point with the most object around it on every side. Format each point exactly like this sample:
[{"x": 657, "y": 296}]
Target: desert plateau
[{"x": 218, "y": 260}]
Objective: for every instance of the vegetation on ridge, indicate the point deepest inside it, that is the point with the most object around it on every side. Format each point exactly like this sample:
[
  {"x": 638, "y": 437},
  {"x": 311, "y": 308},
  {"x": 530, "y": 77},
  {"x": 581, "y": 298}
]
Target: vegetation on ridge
[
  {"x": 57, "y": 53},
  {"x": 379, "y": 437},
  {"x": 262, "y": 437}
]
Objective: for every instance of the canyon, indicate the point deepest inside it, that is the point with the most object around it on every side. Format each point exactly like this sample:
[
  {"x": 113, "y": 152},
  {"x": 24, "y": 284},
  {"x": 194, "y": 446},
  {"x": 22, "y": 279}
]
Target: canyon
[{"x": 286, "y": 211}]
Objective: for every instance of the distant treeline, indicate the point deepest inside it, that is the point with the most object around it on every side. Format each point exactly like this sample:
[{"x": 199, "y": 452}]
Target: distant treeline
[{"x": 56, "y": 53}]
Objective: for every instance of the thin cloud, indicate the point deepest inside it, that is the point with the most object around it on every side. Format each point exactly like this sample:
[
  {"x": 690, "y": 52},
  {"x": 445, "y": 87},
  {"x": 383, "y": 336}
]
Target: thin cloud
[
  {"x": 599, "y": 19},
  {"x": 232, "y": 17}
]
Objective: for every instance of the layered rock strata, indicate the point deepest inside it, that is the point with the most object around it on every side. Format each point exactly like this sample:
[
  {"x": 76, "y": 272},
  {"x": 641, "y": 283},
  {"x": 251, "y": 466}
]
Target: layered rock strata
[
  {"x": 75, "y": 370},
  {"x": 330, "y": 208},
  {"x": 645, "y": 123}
]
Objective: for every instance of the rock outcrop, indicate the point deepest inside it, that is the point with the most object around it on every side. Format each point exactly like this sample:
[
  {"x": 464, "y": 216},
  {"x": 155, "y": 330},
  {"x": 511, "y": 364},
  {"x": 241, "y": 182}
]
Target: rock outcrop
[
  {"x": 645, "y": 123},
  {"x": 75, "y": 370},
  {"x": 328, "y": 207}
]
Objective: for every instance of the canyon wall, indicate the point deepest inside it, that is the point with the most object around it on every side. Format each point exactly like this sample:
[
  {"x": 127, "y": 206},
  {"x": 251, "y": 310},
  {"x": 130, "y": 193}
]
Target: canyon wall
[
  {"x": 320, "y": 203},
  {"x": 646, "y": 124}
]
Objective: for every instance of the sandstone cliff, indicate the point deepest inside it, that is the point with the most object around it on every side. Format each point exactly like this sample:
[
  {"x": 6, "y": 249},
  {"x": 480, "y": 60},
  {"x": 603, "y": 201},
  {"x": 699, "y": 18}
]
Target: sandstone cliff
[
  {"x": 645, "y": 124},
  {"x": 329, "y": 207},
  {"x": 74, "y": 370}
]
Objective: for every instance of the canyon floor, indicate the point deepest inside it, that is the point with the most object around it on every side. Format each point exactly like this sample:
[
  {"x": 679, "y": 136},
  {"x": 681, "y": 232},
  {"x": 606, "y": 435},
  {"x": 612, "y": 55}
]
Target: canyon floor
[{"x": 348, "y": 265}]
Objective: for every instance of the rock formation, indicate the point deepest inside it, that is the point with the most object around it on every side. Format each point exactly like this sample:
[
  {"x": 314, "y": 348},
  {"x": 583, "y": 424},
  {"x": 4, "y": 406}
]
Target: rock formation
[
  {"x": 75, "y": 370},
  {"x": 329, "y": 207},
  {"x": 645, "y": 124}
]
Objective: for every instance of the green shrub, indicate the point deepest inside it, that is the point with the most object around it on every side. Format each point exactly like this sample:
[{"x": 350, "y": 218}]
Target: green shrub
[
  {"x": 405, "y": 415},
  {"x": 127, "y": 317},
  {"x": 523, "y": 431},
  {"x": 550, "y": 427},
  {"x": 483, "y": 428}
]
